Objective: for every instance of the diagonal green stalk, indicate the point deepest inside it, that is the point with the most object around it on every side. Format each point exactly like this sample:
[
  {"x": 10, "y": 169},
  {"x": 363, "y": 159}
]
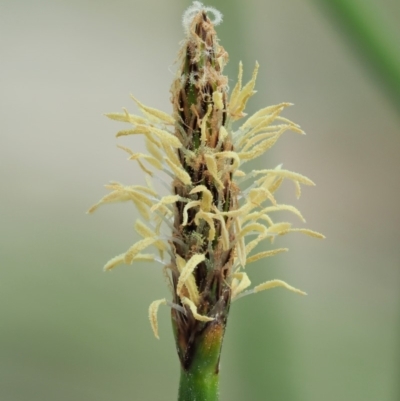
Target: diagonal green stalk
[{"x": 371, "y": 38}]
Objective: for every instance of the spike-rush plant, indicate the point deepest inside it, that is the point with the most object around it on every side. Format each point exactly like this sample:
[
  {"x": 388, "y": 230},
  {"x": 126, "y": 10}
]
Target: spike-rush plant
[{"x": 200, "y": 230}]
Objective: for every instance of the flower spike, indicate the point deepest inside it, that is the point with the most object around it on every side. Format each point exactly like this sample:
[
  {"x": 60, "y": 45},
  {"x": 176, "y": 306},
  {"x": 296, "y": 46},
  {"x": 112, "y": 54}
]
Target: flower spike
[{"x": 205, "y": 230}]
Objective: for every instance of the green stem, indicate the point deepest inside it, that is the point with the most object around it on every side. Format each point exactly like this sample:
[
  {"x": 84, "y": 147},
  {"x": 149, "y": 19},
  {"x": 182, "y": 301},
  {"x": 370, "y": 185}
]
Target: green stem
[
  {"x": 200, "y": 366},
  {"x": 198, "y": 384}
]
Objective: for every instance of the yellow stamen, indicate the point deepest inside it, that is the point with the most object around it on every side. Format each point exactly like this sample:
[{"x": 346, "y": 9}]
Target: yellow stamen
[
  {"x": 193, "y": 308},
  {"x": 153, "y": 309}
]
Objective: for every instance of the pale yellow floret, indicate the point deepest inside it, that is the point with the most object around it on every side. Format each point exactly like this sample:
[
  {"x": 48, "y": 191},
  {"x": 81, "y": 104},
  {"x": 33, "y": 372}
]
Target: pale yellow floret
[
  {"x": 240, "y": 245},
  {"x": 136, "y": 248},
  {"x": 252, "y": 244},
  {"x": 123, "y": 194},
  {"x": 276, "y": 283},
  {"x": 224, "y": 231},
  {"x": 139, "y": 197},
  {"x": 237, "y": 88},
  {"x": 147, "y": 232},
  {"x": 221, "y": 62},
  {"x": 251, "y": 121},
  {"x": 234, "y": 283},
  {"x": 239, "y": 173},
  {"x": 254, "y": 199},
  {"x": 187, "y": 270},
  {"x": 266, "y": 218},
  {"x": 148, "y": 136},
  {"x": 252, "y": 227},
  {"x": 239, "y": 97},
  {"x": 306, "y": 231},
  {"x": 242, "y": 282},
  {"x": 206, "y": 199},
  {"x": 208, "y": 217},
  {"x": 142, "y": 209},
  {"x": 276, "y": 183},
  {"x": 149, "y": 183},
  {"x": 153, "y": 149},
  {"x": 142, "y": 188},
  {"x": 297, "y": 130},
  {"x": 190, "y": 283},
  {"x": 257, "y": 138},
  {"x": 260, "y": 125},
  {"x": 143, "y": 230},
  {"x": 139, "y": 129},
  {"x": 114, "y": 262},
  {"x": 153, "y": 309},
  {"x": 117, "y": 260},
  {"x": 137, "y": 156},
  {"x": 252, "y": 216},
  {"x": 264, "y": 124},
  {"x": 269, "y": 132},
  {"x": 193, "y": 308},
  {"x": 246, "y": 208},
  {"x": 289, "y": 208},
  {"x": 229, "y": 155},
  {"x": 143, "y": 167},
  {"x": 269, "y": 179},
  {"x": 159, "y": 219},
  {"x": 115, "y": 196},
  {"x": 126, "y": 149},
  {"x": 155, "y": 115},
  {"x": 185, "y": 211},
  {"x": 259, "y": 149},
  {"x": 153, "y": 161},
  {"x": 258, "y": 215},
  {"x": 166, "y": 200},
  {"x": 113, "y": 184},
  {"x": 217, "y": 99},
  {"x": 203, "y": 127},
  {"x": 298, "y": 189},
  {"x": 248, "y": 89},
  {"x": 126, "y": 117},
  {"x": 223, "y": 134},
  {"x": 285, "y": 174},
  {"x": 213, "y": 169},
  {"x": 296, "y": 127},
  {"x": 144, "y": 257},
  {"x": 265, "y": 254},
  {"x": 259, "y": 195},
  {"x": 189, "y": 156},
  {"x": 179, "y": 172},
  {"x": 165, "y": 137},
  {"x": 279, "y": 228},
  {"x": 171, "y": 154}
]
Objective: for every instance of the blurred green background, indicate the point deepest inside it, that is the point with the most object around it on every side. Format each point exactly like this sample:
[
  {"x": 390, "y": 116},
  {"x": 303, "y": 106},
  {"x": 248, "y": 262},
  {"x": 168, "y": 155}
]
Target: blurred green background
[{"x": 71, "y": 332}]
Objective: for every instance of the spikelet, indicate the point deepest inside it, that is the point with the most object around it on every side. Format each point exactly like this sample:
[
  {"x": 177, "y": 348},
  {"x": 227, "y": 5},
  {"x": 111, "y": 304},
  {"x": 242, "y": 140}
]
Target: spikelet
[{"x": 200, "y": 230}]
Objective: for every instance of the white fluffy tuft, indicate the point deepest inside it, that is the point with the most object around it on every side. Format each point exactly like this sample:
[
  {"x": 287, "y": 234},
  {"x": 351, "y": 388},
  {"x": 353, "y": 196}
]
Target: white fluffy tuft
[{"x": 194, "y": 9}]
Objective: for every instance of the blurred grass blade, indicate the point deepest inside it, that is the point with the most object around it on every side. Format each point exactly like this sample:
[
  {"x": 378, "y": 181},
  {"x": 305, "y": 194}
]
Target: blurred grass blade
[{"x": 371, "y": 36}]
